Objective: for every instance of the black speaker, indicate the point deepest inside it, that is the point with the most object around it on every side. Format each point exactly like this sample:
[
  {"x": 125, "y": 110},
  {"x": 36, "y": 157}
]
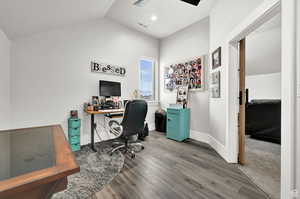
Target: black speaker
[{"x": 193, "y": 2}]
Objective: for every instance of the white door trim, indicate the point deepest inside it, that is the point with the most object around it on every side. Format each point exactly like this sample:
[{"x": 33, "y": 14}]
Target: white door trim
[
  {"x": 289, "y": 97},
  {"x": 260, "y": 15}
]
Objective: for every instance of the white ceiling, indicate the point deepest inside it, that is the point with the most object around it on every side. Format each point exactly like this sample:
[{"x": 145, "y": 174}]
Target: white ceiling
[
  {"x": 172, "y": 15},
  {"x": 25, "y": 17}
]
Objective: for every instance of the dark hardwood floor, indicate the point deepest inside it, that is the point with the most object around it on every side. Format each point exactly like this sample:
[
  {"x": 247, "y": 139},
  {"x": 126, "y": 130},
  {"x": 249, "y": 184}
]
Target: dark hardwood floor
[{"x": 173, "y": 170}]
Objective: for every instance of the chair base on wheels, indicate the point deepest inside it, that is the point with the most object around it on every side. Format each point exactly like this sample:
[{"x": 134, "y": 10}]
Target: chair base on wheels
[{"x": 126, "y": 148}]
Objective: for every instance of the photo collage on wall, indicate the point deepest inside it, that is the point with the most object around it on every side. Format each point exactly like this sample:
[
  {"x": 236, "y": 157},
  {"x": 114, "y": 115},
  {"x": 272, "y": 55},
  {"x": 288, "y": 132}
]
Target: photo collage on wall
[{"x": 188, "y": 73}]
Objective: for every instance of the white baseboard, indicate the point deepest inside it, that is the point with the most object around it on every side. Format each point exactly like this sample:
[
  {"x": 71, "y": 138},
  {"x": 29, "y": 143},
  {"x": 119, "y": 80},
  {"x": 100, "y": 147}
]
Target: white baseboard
[
  {"x": 151, "y": 126},
  {"x": 220, "y": 148},
  {"x": 201, "y": 137},
  {"x": 207, "y": 138}
]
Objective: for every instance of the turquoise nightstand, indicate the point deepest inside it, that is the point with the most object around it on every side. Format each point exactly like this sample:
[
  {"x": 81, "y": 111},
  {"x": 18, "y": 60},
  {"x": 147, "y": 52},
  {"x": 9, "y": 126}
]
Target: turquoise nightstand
[
  {"x": 74, "y": 133},
  {"x": 178, "y": 124}
]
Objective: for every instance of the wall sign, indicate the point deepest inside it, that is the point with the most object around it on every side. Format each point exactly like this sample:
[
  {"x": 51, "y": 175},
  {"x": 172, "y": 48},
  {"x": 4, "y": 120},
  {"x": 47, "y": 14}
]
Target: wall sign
[{"x": 107, "y": 69}]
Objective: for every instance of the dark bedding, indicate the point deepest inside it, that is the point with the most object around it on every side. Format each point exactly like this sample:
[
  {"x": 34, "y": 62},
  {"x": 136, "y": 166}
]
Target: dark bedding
[{"x": 263, "y": 120}]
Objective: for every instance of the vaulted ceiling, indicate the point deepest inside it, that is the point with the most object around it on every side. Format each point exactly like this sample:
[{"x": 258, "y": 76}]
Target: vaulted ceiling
[{"x": 25, "y": 17}]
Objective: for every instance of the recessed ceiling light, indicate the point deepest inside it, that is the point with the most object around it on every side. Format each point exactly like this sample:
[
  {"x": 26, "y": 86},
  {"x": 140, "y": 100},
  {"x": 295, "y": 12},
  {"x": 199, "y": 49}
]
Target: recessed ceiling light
[{"x": 153, "y": 17}]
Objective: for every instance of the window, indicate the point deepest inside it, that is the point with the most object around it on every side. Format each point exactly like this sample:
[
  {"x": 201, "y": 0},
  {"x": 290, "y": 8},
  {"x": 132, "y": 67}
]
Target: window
[{"x": 146, "y": 79}]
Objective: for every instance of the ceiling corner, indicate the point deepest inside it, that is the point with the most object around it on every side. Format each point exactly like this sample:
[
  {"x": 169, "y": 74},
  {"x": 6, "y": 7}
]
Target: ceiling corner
[{"x": 108, "y": 7}]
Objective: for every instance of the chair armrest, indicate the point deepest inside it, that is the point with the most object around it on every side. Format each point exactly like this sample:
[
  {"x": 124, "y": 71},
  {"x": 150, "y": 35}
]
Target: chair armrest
[{"x": 115, "y": 128}]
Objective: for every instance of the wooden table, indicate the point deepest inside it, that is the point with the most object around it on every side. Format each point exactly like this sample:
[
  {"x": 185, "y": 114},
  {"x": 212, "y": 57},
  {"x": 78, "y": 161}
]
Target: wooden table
[
  {"x": 35, "y": 162},
  {"x": 93, "y": 125}
]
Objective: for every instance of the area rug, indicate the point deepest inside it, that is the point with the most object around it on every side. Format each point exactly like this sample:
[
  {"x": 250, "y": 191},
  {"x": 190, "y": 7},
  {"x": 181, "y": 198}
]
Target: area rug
[
  {"x": 263, "y": 166},
  {"x": 96, "y": 170}
]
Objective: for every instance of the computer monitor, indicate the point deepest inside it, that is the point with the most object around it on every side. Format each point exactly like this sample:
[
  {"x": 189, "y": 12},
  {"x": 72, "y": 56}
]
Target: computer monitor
[{"x": 109, "y": 89}]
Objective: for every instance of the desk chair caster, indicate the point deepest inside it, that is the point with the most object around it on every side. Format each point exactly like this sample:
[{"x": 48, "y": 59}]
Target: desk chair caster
[
  {"x": 126, "y": 148},
  {"x": 132, "y": 155}
]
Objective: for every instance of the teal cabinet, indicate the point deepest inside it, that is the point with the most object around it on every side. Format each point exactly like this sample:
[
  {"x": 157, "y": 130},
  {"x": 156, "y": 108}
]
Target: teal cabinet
[
  {"x": 178, "y": 124},
  {"x": 74, "y": 133},
  {"x": 74, "y": 123}
]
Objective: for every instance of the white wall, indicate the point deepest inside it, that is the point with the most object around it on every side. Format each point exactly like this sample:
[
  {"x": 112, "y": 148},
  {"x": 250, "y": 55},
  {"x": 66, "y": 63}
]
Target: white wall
[
  {"x": 298, "y": 99},
  {"x": 4, "y": 81},
  {"x": 264, "y": 86},
  {"x": 191, "y": 42},
  {"x": 224, "y": 17},
  {"x": 263, "y": 52},
  {"x": 51, "y": 70}
]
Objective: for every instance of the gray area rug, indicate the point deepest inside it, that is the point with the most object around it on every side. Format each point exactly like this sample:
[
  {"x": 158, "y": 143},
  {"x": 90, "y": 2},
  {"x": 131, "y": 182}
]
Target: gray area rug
[
  {"x": 96, "y": 170},
  {"x": 263, "y": 165}
]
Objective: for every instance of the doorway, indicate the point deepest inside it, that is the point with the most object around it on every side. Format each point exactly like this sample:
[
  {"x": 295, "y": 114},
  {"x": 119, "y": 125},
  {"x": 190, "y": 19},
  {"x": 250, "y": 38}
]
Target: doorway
[
  {"x": 260, "y": 106},
  {"x": 263, "y": 13}
]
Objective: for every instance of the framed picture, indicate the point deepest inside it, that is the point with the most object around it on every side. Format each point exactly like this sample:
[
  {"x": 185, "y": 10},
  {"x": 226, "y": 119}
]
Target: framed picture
[
  {"x": 215, "y": 85},
  {"x": 217, "y": 58},
  {"x": 182, "y": 96}
]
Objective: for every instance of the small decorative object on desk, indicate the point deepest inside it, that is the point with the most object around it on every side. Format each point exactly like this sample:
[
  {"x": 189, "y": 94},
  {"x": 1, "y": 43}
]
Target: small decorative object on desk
[
  {"x": 117, "y": 102},
  {"x": 74, "y": 114},
  {"x": 85, "y": 106},
  {"x": 182, "y": 96},
  {"x": 95, "y": 100},
  {"x": 90, "y": 107}
]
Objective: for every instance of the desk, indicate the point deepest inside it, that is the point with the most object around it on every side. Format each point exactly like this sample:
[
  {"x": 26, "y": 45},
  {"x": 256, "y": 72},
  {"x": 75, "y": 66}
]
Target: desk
[
  {"x": 100, "y": 112},
  {"x": 40, "y": 161}
]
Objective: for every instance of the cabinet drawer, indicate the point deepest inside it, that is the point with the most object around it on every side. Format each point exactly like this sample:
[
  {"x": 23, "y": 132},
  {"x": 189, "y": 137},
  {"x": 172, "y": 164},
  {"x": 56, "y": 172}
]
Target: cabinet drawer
[
  {"x": 74, "y": 139},
  {"x": 173, "y": 111},
  {"x": 173, "y": 116},
  {"x": 173, "y": 121},
  {"x": 75, "y": 147},
  {"x": 74, "y": 123},
  {"x": 74, "y": 132}
]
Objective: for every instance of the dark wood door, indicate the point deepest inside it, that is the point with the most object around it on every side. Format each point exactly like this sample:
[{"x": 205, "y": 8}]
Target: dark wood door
[{"x": 242, "y": 101}]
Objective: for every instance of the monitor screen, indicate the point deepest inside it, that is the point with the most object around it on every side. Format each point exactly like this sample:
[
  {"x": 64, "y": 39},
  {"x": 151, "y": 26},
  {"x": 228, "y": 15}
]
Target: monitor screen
[{"x": 108, "y": 89}]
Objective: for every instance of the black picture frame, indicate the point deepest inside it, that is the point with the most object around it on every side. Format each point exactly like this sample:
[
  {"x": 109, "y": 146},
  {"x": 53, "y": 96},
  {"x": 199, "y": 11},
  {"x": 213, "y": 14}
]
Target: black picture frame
[{"x": 217, "y": 58}]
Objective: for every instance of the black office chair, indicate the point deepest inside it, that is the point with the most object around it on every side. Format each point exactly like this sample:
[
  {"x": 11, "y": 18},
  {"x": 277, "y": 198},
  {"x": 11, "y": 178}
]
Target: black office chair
[{"x": 132, "y": 124}]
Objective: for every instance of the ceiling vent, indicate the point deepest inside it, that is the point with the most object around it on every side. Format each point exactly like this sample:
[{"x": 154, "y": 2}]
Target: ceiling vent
[
  {"x": 140, "y": 3},
  {"x": 142, "y": 25}
]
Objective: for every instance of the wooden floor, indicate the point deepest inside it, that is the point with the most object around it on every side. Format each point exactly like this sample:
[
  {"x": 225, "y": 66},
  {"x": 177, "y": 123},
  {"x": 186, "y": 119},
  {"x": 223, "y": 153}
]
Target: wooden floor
[{"x": 172, "y": 170}]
